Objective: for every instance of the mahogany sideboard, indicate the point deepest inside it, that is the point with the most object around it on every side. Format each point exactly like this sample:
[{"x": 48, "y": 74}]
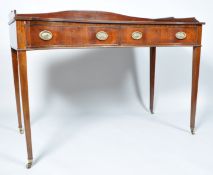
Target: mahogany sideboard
[{"x": 86, "y": 29}]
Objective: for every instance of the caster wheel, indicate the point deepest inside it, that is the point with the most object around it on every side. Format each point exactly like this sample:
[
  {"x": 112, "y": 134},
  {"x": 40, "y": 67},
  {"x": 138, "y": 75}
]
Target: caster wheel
[
  {"x": 21, "y": 131},
  {"x": 193, "y": 131},
  {"x": 29, "y": 164}
]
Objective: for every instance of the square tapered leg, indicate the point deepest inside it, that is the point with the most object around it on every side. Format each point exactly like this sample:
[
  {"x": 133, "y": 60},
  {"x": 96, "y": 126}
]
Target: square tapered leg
[
  {"x": 152, "y": 77},
  {"x": 195, "y": 78},
  {"x": 25, "y": 103},
  {"x": 17, "y": 88}
]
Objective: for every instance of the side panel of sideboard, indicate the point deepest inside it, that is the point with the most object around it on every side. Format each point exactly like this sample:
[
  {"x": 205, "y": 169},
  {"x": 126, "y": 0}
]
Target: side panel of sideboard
[
  {"x": 18, "y": 35},
  {"x": 13, "y": 36}
]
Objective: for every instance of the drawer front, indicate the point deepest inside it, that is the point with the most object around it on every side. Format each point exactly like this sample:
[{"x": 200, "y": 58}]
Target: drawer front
[
  {"x": 59, "y": 36},
  {"x": 155, "y": 35},
  {"x": 103, "y": 35},
  {"x": 47, "y": 35}
]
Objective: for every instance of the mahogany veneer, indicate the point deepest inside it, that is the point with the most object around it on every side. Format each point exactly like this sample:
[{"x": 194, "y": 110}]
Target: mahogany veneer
[{"x": 84, "y": 29}]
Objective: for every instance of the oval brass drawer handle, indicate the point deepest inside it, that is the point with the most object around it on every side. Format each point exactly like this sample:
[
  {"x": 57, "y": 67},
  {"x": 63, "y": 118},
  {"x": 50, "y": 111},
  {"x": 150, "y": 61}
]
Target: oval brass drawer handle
[
  {"x": 180, "y": 35},
  {"x": 101, "y": 35},
  {"x": 137, "y": 35},
  {"x": 45, "y": 35}
]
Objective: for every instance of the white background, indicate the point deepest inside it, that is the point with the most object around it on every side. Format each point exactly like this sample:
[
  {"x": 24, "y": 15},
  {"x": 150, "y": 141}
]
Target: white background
[{"x": 86, "y": 112}]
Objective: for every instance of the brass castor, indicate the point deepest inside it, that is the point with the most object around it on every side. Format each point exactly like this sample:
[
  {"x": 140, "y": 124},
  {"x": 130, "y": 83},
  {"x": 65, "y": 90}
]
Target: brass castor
[
  {"x": 21, "y": 131},
  {"x": 193, "y": 131},
  {"x": 29, "y": 164}
]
